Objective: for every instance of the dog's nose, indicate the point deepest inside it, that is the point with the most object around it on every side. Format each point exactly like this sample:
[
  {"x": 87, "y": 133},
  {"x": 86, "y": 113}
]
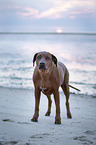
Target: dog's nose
[{"x": 42, "y": 65}]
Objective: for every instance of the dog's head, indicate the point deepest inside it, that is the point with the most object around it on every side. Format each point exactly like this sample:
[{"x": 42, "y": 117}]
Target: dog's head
[{"x": 44, "y": 60}]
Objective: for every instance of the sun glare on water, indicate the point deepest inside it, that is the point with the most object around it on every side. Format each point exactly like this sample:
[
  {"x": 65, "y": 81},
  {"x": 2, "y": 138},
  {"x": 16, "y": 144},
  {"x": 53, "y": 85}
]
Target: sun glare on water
[{"x": 59, "y": 30}]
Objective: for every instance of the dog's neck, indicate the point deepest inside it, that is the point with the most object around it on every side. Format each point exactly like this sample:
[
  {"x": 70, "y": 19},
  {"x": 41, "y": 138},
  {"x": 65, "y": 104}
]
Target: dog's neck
[
  {"x": 44, "y": 77},
  {"x": 46, "y": 74}
]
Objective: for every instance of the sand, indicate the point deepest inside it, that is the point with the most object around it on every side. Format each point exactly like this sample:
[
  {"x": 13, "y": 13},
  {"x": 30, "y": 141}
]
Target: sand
[{"x": 16, "y": 111}]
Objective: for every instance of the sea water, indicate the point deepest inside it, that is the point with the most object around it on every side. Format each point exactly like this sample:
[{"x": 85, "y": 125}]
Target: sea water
[{"x": 77, "y": 52}]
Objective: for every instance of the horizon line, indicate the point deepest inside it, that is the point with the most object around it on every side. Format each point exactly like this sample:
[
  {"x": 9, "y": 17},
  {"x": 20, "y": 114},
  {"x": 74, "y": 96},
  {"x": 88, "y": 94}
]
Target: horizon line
[{"x": 62, "y": 33}]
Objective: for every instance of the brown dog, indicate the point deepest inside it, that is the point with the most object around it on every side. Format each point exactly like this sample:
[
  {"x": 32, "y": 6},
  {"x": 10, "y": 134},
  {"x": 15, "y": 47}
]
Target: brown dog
[{"x": 48, "y": 76}]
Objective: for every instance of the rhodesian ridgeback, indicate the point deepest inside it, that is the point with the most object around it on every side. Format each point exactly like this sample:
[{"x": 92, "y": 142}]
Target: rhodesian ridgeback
[{"x": 49, "y": 75}]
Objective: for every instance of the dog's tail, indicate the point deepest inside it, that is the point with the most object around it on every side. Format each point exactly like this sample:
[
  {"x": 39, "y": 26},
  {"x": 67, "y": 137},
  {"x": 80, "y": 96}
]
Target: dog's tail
[{"x": 74, "y": 88}]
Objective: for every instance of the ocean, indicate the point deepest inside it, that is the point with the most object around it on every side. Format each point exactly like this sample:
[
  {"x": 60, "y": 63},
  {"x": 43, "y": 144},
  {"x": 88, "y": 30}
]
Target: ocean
[{"x": 77, "y": 52}]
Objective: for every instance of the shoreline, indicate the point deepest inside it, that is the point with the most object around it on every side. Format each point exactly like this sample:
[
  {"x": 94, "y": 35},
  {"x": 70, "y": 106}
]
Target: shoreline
[
  {"x": 17, "y": 108},
  {"x": 75, "y": 92}
]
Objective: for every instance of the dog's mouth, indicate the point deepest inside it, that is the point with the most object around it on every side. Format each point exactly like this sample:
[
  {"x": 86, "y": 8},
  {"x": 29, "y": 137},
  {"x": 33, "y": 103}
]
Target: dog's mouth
[
  {"x": 43, "y": 69},
  {"x": 42, "y": 66}
]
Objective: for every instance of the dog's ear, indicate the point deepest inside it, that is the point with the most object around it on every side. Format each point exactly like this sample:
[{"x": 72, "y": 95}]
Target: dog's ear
[
  {"x": 34, "y": 58},
  {"x": 54, "y": 60}
]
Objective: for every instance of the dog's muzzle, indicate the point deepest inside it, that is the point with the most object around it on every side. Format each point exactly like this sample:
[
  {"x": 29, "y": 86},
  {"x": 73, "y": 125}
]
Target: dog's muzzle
[{"x": 42, "y": 65}]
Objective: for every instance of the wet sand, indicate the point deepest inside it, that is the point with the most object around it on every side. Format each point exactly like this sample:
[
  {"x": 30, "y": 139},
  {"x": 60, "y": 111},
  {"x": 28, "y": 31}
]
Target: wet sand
[{"x": 17, "y": 109}]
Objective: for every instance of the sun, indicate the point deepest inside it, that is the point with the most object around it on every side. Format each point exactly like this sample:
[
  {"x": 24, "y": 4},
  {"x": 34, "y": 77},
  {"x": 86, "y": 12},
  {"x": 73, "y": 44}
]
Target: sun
[{"x": 59, "y": 30}]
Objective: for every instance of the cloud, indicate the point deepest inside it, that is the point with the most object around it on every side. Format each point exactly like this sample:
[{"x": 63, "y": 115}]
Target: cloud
[
  {"x": 30, "y": 12},
  {"x": 71, "y": 15},
  {"x": 60, "y": 9},
  {"x": 51, "y": 13}
]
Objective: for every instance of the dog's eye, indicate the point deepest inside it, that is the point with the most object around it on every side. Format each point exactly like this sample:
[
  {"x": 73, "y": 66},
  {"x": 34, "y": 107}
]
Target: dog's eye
[
  {"x": 39, "y": 57},
  {"x": 47, "y": 58}
]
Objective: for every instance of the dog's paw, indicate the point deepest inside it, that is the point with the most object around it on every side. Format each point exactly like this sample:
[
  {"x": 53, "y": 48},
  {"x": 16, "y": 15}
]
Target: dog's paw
[
  {"x": 34, "y": 119},
  {"x": 47, "y": 114},
  {"x": 69, "y": 115},
  {"x": 57, "y": 121}
]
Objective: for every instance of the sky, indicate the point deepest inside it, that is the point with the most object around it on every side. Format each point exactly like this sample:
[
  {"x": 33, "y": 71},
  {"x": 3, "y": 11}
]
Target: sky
[{"x": 48, "y": 16}]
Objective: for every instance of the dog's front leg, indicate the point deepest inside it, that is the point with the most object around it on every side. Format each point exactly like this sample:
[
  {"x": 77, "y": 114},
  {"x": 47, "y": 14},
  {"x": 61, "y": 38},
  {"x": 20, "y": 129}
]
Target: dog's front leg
[
  {"x": 57, "y": 103},
  {"x": 37, "y": 102},
  {"x": 49, "y": 106}
]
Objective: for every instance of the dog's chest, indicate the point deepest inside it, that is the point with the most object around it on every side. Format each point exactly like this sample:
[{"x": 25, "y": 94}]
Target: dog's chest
[
  {"x": 46, "y": 91},
  {"x": 46, "y": 87},
  {"x": 44, "y": 83},
  {"x": 43, "y": 89}
]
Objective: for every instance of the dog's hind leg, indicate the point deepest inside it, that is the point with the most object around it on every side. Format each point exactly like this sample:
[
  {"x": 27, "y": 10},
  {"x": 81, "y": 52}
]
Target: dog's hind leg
[
  {"x": 65, "y": 88},
  {"x": 49, "y": 106}
]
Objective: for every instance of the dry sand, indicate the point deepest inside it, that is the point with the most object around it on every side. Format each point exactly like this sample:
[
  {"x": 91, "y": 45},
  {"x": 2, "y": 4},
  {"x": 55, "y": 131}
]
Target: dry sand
[{"x": 17, "y": 108}]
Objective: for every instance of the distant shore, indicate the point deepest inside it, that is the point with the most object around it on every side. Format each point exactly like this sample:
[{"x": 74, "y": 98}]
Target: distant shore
[{"x": 52, "y": 33}]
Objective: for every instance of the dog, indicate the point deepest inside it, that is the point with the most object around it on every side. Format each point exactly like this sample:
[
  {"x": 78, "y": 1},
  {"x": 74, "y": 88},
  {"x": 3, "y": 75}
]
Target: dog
[{"x": 48, "y": 76}]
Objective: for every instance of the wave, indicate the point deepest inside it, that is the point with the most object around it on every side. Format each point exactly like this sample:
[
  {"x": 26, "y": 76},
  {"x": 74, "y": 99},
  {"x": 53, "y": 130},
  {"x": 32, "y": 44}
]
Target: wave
[
  {"x": 81, "y": 83},
  {"x": 19, "y": 78},
  {"x": 12, "y": 81}
]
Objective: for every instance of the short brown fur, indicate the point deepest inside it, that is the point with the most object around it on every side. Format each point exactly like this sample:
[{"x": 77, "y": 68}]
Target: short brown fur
[{"x": 48, "y": 76}]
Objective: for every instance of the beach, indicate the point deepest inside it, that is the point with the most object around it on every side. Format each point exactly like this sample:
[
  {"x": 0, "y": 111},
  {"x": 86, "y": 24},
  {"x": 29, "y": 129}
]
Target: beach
[
  {"x": 16, "y": 111},
  {"x": 67, "y": 31}
]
